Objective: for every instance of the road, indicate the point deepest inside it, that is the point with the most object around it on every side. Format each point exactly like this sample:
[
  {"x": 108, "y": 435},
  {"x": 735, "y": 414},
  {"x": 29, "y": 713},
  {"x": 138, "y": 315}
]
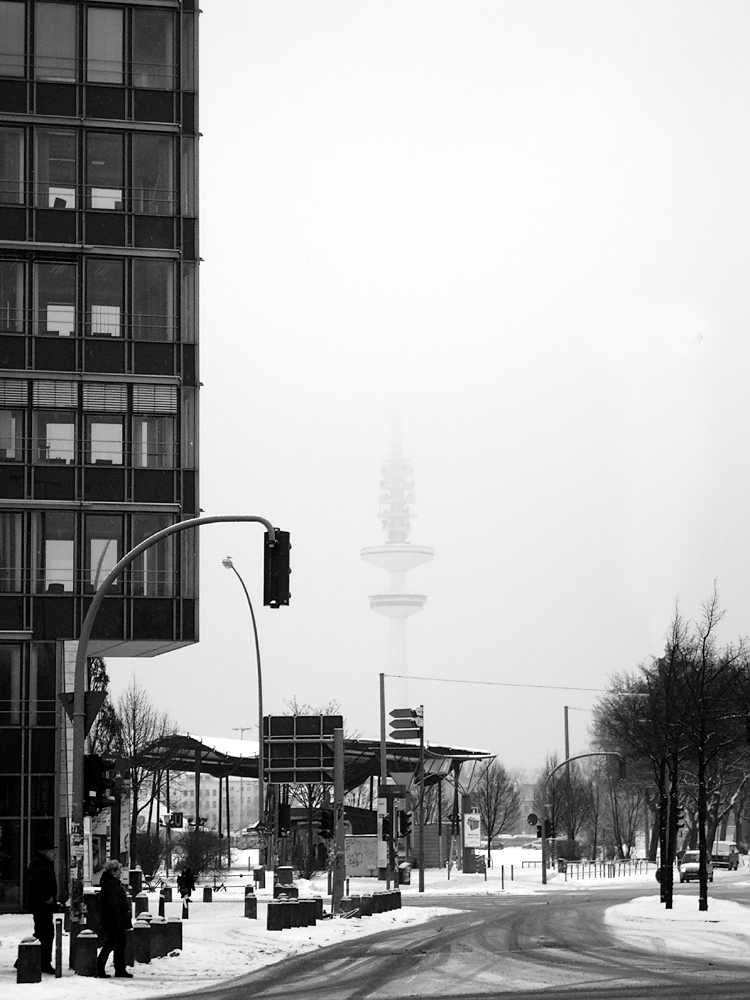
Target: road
[{"x": 555, "y": 946}]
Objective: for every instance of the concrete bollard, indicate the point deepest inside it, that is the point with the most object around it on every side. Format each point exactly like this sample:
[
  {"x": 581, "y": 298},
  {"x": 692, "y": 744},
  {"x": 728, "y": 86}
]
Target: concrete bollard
[
  {"x": 366, "y": 904},
  {"x": 397, "y": 899},
  {"x": 142, "y": 942},
  {"x": 86, "y": 945},
  {"x": 146, "y": 917},
  {"x": 346, "y": 906},
  {"x": 274, "y": 916},
  {"x": 249, "y": 891},
  {"x": 141, "y": 904},
  {"x": 185, "y": 913},
  {"x": 302, "y": 910},
  {"x": 286, "y": 912},
  {"x": 378, "y": 906},
  {"x": 251, "y": 906},
  {"x": 312, "y": 911},
  {"x": 129, "y": 959},
  {"x": 318, "y": 907},
  {"x": 259, "y": 875},
  {"x": 174, "y": 934},
  {"x": 167, "y": 893},
  {"x": 161, "y": 905},
  {"x": 290, "y": 891},
  {"x": 356, "y": 905},
  {"x": 208, "y": 894},
  {"x": 29, "y": 964},
  {"x": 158, "y": 937},
  {"x": 295, "y": 913}
]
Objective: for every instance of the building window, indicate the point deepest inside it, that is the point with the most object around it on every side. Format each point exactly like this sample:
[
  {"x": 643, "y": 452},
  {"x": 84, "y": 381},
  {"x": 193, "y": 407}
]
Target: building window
[
  {"x": 56, "y": 167},
  {"x": 104, "y": 62},
  {"x": 11, "y": 166},
  {"x": 153, "y": 300},
  {"x": 43, "y": 686},
  {"x": 153, "y": 442},
  {"x": 104, "y": 440},
  {"x": 10, "y": 685},
  {"x": 55, "y": 302},
  {"x": 11, "y": 435},
  {"x": 54, "y": 534},
  {"x": 104, "y": 298},
  {"x": 55, "y": 42},
  {"x": 153, "y": 175},
  {"x": 12, "y": 19},
  {"x": 104, "y": 171},
  {"x": 153, "y": 49},
  {"x": 103, "y": 548},
  {"x": 11, "y": 550},
  {"x": 54, "y": 437},
  {"x": 153, "y": 571},
  {"x": 11, "y": 296}
]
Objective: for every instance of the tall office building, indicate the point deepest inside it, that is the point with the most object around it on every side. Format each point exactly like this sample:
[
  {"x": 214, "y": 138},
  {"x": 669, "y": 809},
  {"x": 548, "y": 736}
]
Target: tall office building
[{"x": 98, "y": 385}]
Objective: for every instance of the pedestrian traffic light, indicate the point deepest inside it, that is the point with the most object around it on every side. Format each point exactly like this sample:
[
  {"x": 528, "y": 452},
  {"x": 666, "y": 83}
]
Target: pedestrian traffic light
[
  {"x": 276, "y": 570},
  {"x": 285, "y": 819},
  {"x": 325, "y": 829},
  {"x": 549, "y": 829},
  {"x": 386, "y": 835},
  {"x": 404, "y": 823},
  {"x": 539, "y": 831},
  {"x": 97, "y": 783}
]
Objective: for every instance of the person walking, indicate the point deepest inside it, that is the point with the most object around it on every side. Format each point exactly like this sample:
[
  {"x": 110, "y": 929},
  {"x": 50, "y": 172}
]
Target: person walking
[
  {"x": 42, "y": 885},
  {"x": 116, "y": 919},
  {"x": 186, "y": 883}
]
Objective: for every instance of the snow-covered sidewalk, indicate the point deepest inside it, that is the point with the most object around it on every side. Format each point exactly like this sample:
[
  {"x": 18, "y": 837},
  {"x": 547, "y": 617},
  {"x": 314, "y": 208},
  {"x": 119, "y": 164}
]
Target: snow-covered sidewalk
[{"x": 219, "y": 943}]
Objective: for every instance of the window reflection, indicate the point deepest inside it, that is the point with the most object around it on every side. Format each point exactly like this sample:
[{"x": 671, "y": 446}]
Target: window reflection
[
  {"x": 103, "y": 547},
  {"x": 11, "y": 549},
  {"x": 104, "y": 171},
  {"x": 54, "y": 437},
  {"x": 56, "y": 168},
  {"x": 104, "y": 297},
  {"x": 55, "y": 42},
  {"x": 55, "y": 547},
  {"x": 12, "y": 16},
  {"x": 153, "y": 442},
  {"x": 153, "y": 300},
  {"x": 153, "y": 572},
  {"x": 153, "y": 175},
  {"x": 104, "y": 49},
  {"x": 10, "y": 685},
  {"x": 11, "y": 166},
  {"x": 11, "y": 296},
  {"x": 153, "y": 49},
  {"x": 104, "y": 440},
  {"x": 11, "y": 435},
  {"x": 55, "y": 299}
]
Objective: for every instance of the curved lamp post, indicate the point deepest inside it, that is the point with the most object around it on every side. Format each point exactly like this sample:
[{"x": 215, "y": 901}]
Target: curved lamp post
[{"x": 228, "y": 564}]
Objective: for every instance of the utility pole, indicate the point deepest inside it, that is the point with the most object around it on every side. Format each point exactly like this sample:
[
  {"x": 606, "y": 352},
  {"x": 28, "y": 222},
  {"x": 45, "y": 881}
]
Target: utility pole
[{"x": 339, "y": 861}]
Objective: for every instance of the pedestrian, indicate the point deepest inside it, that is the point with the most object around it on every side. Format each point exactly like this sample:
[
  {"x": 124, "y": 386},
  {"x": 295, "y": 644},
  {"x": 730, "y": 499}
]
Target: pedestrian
[
  {"x": 42, "y": 885},
  {"x": 116, "y": 919},
  {"x": 186, "y": 883}
]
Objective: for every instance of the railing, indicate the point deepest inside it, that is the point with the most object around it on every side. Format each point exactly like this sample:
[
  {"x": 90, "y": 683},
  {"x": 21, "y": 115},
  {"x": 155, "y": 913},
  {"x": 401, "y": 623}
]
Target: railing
[{"x": 602, "y": 869}]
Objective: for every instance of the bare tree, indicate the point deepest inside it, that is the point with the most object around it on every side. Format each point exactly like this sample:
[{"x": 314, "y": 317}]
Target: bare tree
[
  {"x": 105, "y": 735},
  {"x": 141, "y": 725},
  {"x": 498, "y": 800}
]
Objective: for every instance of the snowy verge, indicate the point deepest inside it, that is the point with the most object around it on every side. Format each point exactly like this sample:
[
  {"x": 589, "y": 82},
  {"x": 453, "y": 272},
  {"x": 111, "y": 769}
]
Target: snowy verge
[{"x": 721, "y": 932}]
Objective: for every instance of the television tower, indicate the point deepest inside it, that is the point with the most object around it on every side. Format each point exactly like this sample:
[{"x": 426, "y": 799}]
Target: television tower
[{"x": 397, "y": 556}]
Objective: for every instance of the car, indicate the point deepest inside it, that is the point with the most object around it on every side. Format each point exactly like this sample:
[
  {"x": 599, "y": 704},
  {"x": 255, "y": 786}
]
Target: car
[
  {"x": 726, "y": 855},
  {"x": 689, "y": 866}
]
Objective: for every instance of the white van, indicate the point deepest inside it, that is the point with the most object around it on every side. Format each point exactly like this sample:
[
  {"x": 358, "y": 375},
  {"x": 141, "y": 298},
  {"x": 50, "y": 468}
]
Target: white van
[{"x": 725, "y": 855}]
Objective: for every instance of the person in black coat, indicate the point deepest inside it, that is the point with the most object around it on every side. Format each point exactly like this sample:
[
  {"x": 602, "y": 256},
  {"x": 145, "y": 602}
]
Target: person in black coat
[
  {"x": 116, "y": 919},
  {"x": 42, "y": 886},
  {"x": 186, "y": 883}
]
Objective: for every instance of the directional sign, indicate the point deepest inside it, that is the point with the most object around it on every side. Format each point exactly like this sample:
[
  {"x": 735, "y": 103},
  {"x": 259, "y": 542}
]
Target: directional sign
[{"x": 406, "y": 723}]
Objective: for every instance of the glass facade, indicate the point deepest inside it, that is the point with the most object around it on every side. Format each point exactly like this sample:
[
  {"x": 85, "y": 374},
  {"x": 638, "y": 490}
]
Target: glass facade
[{"x": 98, "y": 367}]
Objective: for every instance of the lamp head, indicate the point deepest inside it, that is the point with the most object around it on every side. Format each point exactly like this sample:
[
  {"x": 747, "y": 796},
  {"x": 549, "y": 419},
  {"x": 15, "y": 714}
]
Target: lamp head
[{"x": 227, "y": 563}]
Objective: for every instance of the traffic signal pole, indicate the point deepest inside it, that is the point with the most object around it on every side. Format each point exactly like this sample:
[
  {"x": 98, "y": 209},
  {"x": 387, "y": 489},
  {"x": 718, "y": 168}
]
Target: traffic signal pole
[
  {"x": 421, "y": 809},
  {"x": 79, "y": 693}
]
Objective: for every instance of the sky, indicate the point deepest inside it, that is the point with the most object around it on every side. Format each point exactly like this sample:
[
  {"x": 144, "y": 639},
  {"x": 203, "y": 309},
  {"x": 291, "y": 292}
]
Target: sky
[{"x": 523, "y": 228}]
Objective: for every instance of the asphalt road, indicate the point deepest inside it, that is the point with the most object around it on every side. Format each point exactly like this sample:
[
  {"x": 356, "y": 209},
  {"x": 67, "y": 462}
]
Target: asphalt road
[{"x": 553, "y": 947}]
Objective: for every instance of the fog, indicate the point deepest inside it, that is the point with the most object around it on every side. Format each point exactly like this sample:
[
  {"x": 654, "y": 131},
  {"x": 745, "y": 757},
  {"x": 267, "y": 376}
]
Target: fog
[{"x": 522, "y": 226}]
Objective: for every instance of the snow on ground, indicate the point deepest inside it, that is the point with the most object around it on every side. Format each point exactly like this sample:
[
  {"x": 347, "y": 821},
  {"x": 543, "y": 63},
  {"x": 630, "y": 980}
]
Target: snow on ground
[{"x": 220, "y": 943}]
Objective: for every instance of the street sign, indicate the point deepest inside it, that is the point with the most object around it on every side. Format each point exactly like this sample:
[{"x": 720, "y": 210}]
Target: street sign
[{"x": 406, "y": 723}]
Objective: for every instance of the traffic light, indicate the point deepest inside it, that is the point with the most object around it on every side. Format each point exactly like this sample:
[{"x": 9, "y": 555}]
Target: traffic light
[
  {"x": 549, "y": 829},
  {"x": 276, "y": 570},
  {"x": 680, "y": 817},
  {"x": 539, "y": 831},
  {"x": 404, "y": 823},
  {"x": 285, "y": 819},
  {"x": 622, "y": 768},
  {"x": 386, "y": 835},
  {"x": 325, "y": 829},
  {"x": 97, "y": 783}
]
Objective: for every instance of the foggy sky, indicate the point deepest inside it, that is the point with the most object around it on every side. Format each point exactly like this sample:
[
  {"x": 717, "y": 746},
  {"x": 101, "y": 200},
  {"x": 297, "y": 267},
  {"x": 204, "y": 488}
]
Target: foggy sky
[{"x": 525, "y": 225}]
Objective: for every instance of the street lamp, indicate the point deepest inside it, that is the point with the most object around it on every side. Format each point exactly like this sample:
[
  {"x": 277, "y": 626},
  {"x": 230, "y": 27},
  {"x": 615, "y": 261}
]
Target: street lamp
[{"x": 228, "y": 564}]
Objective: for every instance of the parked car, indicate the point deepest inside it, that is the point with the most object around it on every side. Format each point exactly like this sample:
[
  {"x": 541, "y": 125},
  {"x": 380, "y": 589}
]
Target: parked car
[
  {"x": 690, "y": 866},
  {"x": 725, "y": 855}
]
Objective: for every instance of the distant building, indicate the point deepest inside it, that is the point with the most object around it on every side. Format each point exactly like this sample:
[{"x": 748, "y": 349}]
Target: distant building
[{"x": 98, "y": 369}]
